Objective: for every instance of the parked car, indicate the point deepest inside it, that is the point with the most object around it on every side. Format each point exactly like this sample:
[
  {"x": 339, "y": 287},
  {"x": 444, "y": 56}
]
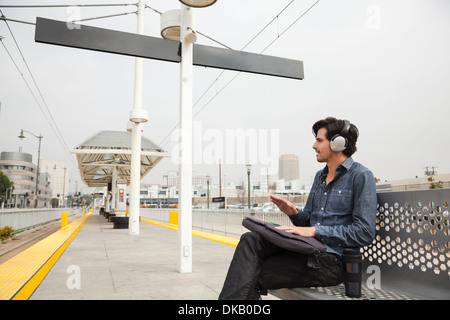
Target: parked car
[
  {"x": 235, "y": 206},
  {"x": 267, "y": 207}
]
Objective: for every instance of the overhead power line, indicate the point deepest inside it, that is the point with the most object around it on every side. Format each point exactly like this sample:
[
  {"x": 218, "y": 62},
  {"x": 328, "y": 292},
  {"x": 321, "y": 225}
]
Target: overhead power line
[
  {"x": 48, "y": 117},
  {"x": 66, "y": 5},
  {"x": 156, "y": 11},
  {"x": 14, "y": 20},
  {"x": 165, "y": 141},
  {"x": 59, "y": 137},
  {"x": 51, "y": 121},
  {"x": 80, "y": 20}
]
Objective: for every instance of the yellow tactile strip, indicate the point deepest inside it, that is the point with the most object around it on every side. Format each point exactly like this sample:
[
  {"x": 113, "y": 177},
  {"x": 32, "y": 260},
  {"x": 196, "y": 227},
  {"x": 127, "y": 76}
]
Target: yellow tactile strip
[
  {"x": 21, "y": 275},
  {"x": 213, "y": 237}
]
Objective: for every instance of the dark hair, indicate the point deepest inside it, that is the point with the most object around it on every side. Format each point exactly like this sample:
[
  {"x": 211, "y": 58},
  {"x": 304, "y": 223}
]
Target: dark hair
[{"x": 335, "y": 126}]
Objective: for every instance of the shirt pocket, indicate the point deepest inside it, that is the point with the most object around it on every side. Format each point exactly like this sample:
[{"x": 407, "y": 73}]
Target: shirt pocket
[{"x": 340, "y": 201}]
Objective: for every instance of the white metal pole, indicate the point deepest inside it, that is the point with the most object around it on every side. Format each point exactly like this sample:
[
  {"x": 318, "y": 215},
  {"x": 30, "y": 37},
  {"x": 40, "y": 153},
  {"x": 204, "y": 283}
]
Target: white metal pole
[
  {"x": 135, "y": 174},
  {"x": 114, "y": 189},
  {"x": 185, "y": 164},
  {"x": 64, "y": 187}
]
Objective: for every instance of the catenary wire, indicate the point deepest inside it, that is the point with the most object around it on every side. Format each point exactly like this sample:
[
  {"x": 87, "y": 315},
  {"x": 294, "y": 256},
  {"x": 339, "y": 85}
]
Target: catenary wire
[
  {"x": 52, "y": 122},
  {"x": 66, "y": 5},
  {"x": 34, "y": 96},
  {"x": 164, "y": 141}
]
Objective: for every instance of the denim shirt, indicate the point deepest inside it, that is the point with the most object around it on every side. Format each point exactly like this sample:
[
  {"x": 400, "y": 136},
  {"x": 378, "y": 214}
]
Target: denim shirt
[{"x": 344, "y": 211}]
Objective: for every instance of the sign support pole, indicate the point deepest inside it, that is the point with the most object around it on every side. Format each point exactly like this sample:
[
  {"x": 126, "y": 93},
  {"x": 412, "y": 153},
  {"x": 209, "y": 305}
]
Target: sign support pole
[
  {"x": 135, "y": 174},
  {"x": 185, "y": 164}
]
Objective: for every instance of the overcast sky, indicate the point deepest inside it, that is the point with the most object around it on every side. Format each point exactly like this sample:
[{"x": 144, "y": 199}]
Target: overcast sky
[{"x": 381, "y": 64}]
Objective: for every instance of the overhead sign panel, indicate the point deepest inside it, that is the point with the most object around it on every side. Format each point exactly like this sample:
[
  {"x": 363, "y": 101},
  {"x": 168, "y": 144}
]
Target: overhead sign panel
[
  {"x": 213, "y": 57},
  {"x": 105, "y": 40},
  {"x": 131, "y": 44}
]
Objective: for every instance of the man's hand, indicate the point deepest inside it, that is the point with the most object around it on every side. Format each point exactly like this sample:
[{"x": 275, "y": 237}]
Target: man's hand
[
  {"x": 308, "y": 232},
  {"x": 284, "y": 205}
]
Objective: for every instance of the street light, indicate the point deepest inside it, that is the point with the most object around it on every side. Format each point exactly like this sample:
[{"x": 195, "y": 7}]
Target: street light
[
  {"x": 64, "y": 181},
  {"x": 249, "y": 167},
  {"x": 138, "y": 117},
  {"x": 207, "y": 189},
  {"x": 170, "y": 27},
  {"x": 170, "y": 24},
  {"x": 198, "y": 3},
  {"x": 21, "y": 136}
]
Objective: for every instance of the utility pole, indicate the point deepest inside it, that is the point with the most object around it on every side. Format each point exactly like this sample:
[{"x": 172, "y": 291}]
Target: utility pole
[
  {"x": 430, "y": 171},
  {"x": 220, "y": 178}
]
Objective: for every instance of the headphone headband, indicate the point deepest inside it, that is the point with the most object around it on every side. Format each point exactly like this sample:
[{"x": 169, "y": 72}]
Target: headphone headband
[{"x": 345, "y": 129}]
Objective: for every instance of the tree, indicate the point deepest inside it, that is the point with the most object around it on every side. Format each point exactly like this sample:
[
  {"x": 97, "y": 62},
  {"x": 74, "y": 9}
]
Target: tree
[
  {"x": 5, "y": 184},
  {"x": 434, "y": 184}
]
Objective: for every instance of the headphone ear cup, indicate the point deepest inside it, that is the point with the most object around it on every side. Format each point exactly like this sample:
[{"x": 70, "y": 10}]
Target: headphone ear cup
[{"x": 338, "y": 143}]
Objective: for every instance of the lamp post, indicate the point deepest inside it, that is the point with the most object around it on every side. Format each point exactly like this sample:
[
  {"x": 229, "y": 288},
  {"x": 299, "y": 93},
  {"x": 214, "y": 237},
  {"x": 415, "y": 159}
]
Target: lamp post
[
  {"x": 187, "y": 37},
  {"x": 207, "y": 190},
  {"x": 21, "y": 136},
  {"x": 198, "y": 3},
  {"x": 10, "y": 196},
  {"x": 249, "y": 166},
  {"x": 138, "y": 116},
  {"x": 64, "y": 181}
]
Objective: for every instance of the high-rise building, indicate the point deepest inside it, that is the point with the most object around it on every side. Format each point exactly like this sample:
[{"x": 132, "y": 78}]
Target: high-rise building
[
  {"x": 59, "y": 172},
  {"x": 288, "y": 167}
]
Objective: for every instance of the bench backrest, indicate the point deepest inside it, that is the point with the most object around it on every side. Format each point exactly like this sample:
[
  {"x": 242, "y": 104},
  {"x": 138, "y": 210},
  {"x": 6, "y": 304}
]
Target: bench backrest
[{"x": 412, "y": 244}]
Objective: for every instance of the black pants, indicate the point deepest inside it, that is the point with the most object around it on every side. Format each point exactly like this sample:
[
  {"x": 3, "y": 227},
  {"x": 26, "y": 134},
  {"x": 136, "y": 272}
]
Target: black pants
[{"x": 258, "y": 265}]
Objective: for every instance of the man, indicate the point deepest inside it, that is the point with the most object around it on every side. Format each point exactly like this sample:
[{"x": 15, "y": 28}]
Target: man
[{"x": 340, "y": 212}]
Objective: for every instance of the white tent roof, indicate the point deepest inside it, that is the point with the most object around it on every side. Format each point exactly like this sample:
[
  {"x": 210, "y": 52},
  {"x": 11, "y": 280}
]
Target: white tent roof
[{"x": 99, "y": 154}]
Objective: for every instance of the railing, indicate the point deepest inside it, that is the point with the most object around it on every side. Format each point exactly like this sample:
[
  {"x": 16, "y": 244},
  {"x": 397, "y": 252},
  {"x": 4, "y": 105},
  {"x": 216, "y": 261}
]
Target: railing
[
  {"x": 412, "y": 187},
  {"x": 222, "y": 222},
  {"x": 21, "y": 219}
]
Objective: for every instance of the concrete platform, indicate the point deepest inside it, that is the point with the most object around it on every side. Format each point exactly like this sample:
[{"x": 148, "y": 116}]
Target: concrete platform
[{"x": 106, "y": 263}]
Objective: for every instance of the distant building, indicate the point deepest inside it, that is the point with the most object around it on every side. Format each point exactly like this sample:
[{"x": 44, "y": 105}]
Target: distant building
[
  {"x": 288, "y": 167},
  {"x": 59, "y": 177},
  {"x": 172, "y": 179},
  {"x": 18, "y": 167}
]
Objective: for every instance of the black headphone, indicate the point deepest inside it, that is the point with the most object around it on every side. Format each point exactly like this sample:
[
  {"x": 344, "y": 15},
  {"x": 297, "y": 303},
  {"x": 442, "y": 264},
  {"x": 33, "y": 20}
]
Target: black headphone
[{"x": 339, "y": 142}]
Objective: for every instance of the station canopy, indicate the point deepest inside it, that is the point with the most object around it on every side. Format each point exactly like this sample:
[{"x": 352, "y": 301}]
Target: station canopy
[{"x": 98, "y": 156}]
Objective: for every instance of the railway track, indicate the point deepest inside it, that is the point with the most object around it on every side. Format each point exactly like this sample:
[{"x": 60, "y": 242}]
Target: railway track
[{"x": 26, "y": 239}]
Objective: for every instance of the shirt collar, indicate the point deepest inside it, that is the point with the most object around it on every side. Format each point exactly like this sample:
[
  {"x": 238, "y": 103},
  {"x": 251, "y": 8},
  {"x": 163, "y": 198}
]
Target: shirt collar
[{"x": 346, "y": 164}]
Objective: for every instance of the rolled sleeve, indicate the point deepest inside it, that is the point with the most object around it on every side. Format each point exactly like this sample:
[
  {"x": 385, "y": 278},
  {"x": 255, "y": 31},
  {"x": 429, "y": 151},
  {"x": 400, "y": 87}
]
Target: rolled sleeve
[{"x": 301, "y": 219}]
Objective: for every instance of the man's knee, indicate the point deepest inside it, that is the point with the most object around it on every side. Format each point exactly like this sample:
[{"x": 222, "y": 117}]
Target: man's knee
[{"x": 251, "y": 238}]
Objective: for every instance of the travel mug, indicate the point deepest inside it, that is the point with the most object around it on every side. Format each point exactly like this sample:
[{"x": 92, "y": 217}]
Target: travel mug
[{"x": 352, "y": 260}]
